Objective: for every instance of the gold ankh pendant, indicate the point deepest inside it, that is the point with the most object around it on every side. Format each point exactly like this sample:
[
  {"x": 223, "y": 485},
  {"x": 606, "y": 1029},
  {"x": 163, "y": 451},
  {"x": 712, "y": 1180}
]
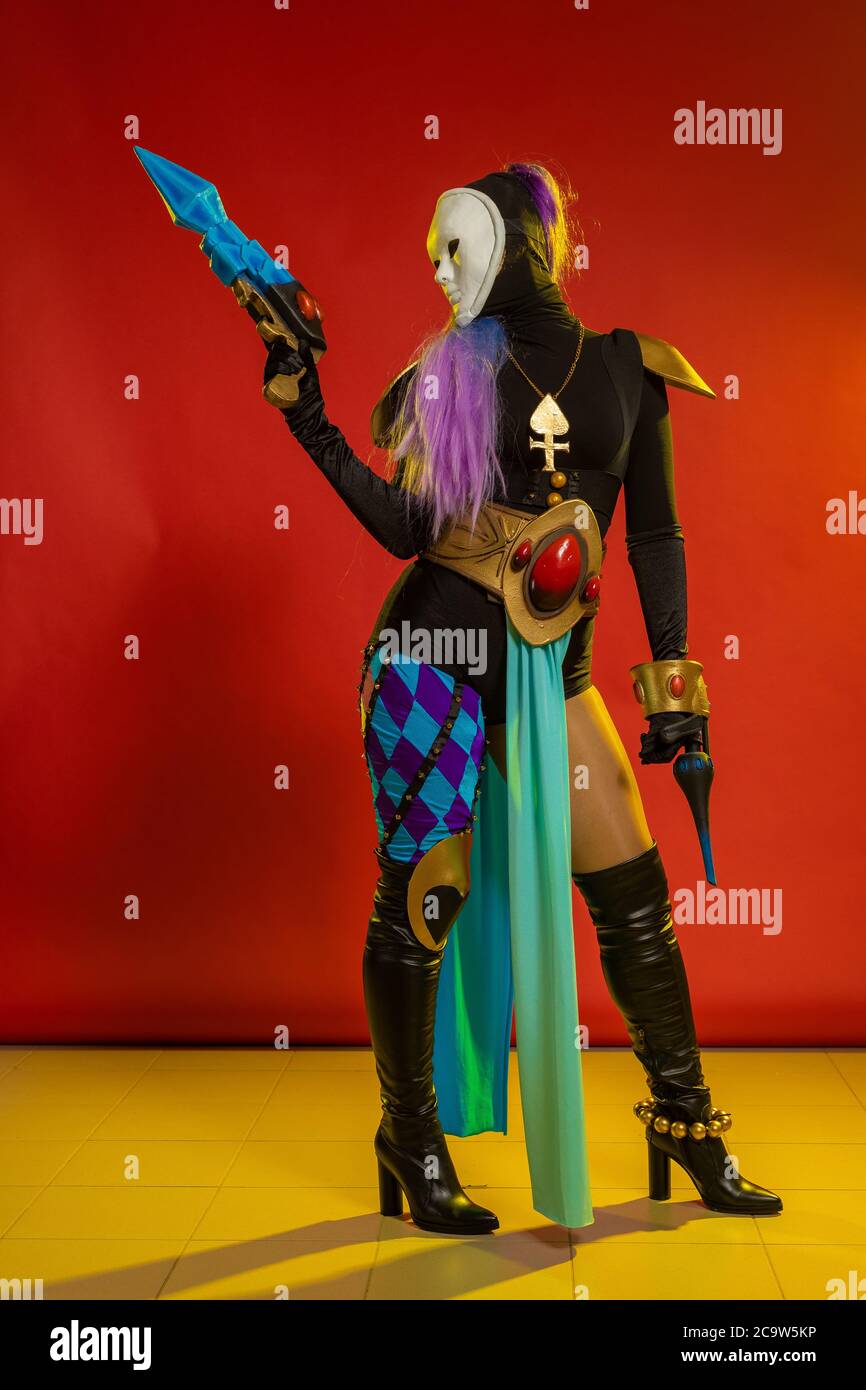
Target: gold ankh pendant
[{"x": 548, "y": 420}]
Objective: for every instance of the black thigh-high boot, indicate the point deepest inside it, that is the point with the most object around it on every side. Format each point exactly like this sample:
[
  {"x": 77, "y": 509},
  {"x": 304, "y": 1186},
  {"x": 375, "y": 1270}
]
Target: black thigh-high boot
[
  {"x": 401, "y": 979},
  {"x": 640, "y": 957}
]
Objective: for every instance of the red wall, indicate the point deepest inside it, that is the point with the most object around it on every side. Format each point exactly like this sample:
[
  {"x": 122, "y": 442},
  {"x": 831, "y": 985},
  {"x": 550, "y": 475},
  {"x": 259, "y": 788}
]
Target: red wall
[{"x": 154, "y": 777}]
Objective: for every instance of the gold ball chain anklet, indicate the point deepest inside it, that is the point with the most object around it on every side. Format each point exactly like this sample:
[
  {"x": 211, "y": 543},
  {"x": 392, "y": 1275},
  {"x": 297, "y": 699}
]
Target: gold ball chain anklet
[{"x": 719, "y": 1123}]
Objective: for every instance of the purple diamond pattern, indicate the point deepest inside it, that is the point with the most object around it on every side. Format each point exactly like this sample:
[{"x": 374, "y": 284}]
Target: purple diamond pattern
[
  {"x": 407, "y": 759},
  {"x": 458, "y": 816},
  {"x": 437, "y": 808},
  {"x": 396, "y": 697},
  {"x": 384, "y": 805},
  {"x": 376, "y": 755},
  {"x": 452, "y": 762},
  {"x": 433, "y": 693},
  {"x": 419, "y": 821}
]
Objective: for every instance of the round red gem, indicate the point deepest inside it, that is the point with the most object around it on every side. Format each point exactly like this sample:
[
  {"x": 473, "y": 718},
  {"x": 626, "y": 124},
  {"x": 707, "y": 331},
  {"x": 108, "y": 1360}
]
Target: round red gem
[
  {"x": 306, "y": 303},
  {"x": 591, "y": 589},
  {"x": 676, "y": 685},
  {"x": 555, "y": 574},
  {"x": 521, "y": 557}
]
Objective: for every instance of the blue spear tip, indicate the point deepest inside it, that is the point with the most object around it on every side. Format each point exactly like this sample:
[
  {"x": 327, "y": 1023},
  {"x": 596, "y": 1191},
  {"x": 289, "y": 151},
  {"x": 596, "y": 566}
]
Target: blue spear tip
[
  {"x": 192, "y": 202},
  {"x": 195, "y": 204}
]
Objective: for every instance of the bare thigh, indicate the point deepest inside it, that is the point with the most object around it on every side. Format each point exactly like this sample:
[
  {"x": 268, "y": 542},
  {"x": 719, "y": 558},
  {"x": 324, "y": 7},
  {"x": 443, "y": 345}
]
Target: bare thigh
[{"x": 608, "y": 824}]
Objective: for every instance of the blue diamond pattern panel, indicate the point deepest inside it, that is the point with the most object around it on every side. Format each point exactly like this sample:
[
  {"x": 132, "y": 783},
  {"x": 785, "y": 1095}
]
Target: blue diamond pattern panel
[{"x": 408, "y": 714}]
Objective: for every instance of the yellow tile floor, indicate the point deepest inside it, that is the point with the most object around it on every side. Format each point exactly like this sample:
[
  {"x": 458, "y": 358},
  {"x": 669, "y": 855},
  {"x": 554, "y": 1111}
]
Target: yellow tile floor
[{"x": 197, "y": 1173}]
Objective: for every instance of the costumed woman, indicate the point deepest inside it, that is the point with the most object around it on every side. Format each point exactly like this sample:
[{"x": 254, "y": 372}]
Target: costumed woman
[{"x": 513, "y": 435}]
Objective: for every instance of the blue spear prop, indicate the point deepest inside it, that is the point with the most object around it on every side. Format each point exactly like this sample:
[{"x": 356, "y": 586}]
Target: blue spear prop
[
  {"x": 280, "y": 305},
  {"x": 693, "y": 773}
]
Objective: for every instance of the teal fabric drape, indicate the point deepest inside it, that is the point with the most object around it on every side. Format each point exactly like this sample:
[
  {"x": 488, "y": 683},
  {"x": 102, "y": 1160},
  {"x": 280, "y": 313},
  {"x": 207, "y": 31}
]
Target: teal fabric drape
[{"x": 513, "y": 946}]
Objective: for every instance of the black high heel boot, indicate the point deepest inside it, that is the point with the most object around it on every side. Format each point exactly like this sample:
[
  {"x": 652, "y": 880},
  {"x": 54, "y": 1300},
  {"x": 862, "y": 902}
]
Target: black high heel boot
[
  {"x": 401, "y": 979},
  {"x": 644, "y": 971}
]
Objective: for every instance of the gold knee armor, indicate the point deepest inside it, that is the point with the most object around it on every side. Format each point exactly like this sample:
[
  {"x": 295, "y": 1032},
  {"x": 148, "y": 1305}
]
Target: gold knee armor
[{"x": 438, "y": 889}]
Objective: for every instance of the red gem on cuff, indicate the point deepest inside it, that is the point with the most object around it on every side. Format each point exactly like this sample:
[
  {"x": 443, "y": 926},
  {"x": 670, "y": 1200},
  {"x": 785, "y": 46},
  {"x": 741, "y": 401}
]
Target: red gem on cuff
[
  {"x": 592, "y": 588},
  {"x": 676, "y": 685}
]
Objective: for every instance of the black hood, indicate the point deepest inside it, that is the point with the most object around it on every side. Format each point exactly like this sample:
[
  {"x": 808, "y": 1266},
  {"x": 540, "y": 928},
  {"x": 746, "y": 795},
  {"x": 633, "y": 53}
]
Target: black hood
[{"x": 523, "y": 288}]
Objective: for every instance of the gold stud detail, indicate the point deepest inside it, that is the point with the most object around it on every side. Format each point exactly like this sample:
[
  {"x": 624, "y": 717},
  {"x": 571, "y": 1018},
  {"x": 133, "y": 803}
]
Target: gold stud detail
[
  {"x": 679, "y": 1130},
  {"x": 698, "y": 1131},
  {"x": 558, "y": 480},
  {"x": 554, "y": 499},
  {"x": 661, "y": 1124}
]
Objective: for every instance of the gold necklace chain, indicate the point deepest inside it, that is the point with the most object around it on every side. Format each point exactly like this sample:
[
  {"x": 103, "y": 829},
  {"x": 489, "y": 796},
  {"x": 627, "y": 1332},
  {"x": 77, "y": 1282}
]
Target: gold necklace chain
[{"x": 537, "y": 389}]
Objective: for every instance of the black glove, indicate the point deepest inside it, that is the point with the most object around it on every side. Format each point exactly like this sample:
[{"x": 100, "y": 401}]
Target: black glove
[
  {"x": 283, "y": 360},
  {"x": 668, "y": 733},
  {"x": 378, "y": 505}
]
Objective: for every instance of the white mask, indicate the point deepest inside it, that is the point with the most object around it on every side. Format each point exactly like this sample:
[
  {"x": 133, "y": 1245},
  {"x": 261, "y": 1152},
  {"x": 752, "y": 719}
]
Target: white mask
[{"x": 465, "y": 243}]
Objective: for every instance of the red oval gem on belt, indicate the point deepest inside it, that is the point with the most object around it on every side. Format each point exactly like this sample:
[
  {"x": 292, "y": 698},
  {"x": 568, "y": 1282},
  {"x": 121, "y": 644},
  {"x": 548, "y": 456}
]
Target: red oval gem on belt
[
  {"x": 555, "y": 574},
  {"x": 522, "y": 556}
]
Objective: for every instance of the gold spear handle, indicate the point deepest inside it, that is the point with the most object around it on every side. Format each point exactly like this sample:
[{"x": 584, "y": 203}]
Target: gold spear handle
[{"x": 281, "y": 391}]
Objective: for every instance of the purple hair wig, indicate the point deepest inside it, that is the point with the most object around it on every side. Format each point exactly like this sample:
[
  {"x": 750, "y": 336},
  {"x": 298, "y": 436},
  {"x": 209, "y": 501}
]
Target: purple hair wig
[
  {"x": 447, "y": 426},
  {"x": 551, "y": 202}
]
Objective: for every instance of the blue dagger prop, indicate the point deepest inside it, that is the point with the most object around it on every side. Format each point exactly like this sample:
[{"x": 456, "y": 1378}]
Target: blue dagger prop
[{"x": 280, "y": 305}]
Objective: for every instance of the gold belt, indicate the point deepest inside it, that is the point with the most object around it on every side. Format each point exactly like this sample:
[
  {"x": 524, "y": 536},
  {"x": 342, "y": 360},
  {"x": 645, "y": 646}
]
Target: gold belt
[{"x": 545, "y": 569}]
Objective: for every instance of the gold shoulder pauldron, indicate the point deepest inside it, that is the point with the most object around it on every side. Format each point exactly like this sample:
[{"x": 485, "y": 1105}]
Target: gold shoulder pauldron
[
  {"x": 386, "y": 408},
  {"x": 665, "y": 361}
]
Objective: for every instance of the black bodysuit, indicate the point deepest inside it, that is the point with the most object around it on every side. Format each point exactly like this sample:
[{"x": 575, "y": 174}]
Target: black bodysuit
[{"x": 619, "y": 440}]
